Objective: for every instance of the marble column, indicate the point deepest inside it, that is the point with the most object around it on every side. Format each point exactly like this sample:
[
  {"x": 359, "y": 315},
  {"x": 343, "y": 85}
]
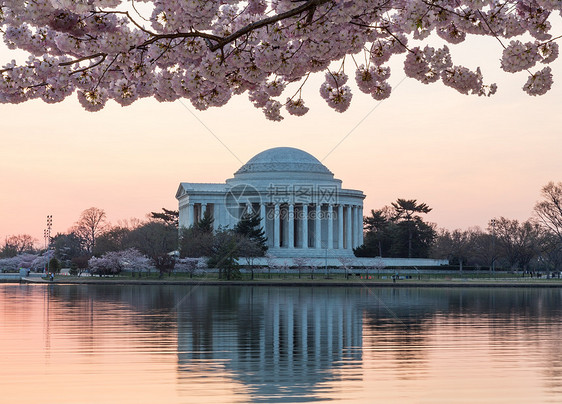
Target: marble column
[
  {"x": 276, "y": 227},
  {"x": 304, "y": 230},
  {"x": 340, "y": 226},
  {"x": 353, "y": 226},
  {"x": 203, "y": 209},
  {"x": 348, "y": 227},
  {"x": 190, "y": 214},
  {"x": 330, "y": 227},
  {"x": 318, "y": 226},
  {"x": 360, "y": 230},
  {"x": 262, "y": 217},
  {"x": 356, "y": 232},
  {"x": 291, "y": 226}
]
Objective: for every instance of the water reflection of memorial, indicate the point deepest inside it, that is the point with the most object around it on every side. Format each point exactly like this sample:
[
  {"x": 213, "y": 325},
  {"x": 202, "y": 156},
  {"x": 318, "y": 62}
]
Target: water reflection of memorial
[
  {"x": 279, "y": 342},
  {"x": 288, "y": 344}
]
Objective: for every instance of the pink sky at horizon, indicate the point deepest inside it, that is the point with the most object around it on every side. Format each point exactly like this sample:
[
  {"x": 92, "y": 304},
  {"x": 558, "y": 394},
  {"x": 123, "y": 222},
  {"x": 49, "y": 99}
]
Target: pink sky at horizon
[{"x": 469, "y": 158}]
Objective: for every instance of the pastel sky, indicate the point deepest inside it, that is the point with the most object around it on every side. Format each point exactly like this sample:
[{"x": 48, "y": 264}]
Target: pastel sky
[{"x": 469, "y": 158}]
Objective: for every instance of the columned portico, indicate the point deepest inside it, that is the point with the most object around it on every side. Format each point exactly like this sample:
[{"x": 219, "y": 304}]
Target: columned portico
[{"x": 303, "y": 209}]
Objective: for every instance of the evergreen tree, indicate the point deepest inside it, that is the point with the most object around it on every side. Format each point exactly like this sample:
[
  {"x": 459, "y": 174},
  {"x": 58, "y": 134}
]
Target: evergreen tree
[
  {"x": 170, "y": 217},
  {"x": 206, "y": 223},
  {"x": 249, "y": 226},
  {"x": 225, "y": 254},
  {"x": 397, "y": 231},
  {"x": 406, "y": 215},
  {"x": 54, "y": 265},
  {"x": 377, "y": 235},
  {"x": 67, "y": 246}
]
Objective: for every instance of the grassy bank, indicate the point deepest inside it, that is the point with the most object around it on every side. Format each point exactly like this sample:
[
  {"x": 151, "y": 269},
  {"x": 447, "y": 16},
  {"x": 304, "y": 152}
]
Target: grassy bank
[{"x": 321, "y": 279}]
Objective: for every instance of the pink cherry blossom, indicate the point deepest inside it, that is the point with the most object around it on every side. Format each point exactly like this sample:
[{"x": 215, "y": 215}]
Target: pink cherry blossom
[{"x": 208, "y": 51}]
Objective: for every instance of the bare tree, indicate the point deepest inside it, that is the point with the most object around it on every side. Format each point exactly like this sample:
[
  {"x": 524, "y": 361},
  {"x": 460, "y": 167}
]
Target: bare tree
[
  {"x": 249, "y": 249},
  {"x": 484, "y": 251},
  {"x": 19, "y": 244},
  {"x": 549, "y": 210},
  {"x": 90, "y": 226},
  {"x": 457, "y": 245},
  {"x": 378, "y": 266},
  {"x": 313, "y": 268},
  {"x": 130, "y": 224},
  {"x": 346, "y": 263},
  {"x": 551, "y": 254},
  {"x": 301, "y": 263},
  {"x": 518, "y": 242},
  {"x": 271, "y": 264}
]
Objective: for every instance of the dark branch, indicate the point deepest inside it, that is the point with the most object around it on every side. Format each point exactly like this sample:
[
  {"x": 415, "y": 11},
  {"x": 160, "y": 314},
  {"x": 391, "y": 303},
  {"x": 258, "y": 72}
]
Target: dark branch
[{"x": 309, "y": 5}]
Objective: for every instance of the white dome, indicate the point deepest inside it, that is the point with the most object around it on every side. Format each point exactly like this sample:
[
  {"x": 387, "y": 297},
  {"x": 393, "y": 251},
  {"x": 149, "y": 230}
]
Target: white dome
[{"x": 283, "y": 159}]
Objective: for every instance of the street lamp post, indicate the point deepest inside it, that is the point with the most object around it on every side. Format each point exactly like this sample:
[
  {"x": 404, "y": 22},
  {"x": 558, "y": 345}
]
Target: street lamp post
[
  {"x": 47, "y": 235},
  {"x": 48, "y": 231}
]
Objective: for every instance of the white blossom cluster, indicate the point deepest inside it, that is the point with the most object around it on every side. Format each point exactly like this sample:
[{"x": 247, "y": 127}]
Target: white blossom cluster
[
  {"x": 519, "y": 56},
  {"x": 337, "y": 95},
  {"x": 539, "y": 83},
  {"x": 34, "y": 262},
  {"x": 373, "y": 81},
  {"x": 209, "y": 51},
  {"x": 113, "y": 262}
]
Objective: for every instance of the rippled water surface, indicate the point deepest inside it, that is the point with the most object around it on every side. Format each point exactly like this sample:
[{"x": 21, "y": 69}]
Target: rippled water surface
[{"x": 193, "y": 344}]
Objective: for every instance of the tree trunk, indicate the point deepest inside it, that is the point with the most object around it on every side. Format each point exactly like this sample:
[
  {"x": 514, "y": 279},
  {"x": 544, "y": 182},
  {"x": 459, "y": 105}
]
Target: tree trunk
[{"x": 410, "y": 244}]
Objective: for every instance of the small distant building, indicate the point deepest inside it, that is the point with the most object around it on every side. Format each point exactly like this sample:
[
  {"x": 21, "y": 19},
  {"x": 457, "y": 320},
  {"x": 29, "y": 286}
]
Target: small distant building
[{"x": 303, "y": 209}]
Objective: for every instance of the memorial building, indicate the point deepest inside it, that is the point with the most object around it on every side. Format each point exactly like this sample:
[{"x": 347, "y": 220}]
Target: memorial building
[{"x": 303, "y": 209}]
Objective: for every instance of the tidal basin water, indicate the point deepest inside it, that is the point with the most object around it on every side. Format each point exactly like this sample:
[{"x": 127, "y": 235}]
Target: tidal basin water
[{"x": 227, "y": 344}]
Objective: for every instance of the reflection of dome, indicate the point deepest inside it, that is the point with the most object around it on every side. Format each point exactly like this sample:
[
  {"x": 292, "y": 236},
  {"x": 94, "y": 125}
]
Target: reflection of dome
[{"x": 283, "y": 159}]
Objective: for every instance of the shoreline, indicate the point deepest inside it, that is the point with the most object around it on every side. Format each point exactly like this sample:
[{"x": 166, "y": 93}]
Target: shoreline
[{"x": 523, "y": 283}]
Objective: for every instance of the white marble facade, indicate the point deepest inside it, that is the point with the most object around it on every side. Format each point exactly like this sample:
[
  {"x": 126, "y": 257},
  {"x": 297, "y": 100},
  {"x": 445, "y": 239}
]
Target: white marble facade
[{"x": 303, "y": 209}]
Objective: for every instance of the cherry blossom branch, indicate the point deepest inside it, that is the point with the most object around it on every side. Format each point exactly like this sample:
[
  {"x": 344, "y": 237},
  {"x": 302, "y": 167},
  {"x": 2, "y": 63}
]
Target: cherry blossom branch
[
  {"x": 490, "y": 28},
  {"x": 207, "y": 52},
  {"x": 82, "y": 59},
  {"x": 397, "y": 39},
  {"x": 267, "y": 21},
  {"x": 126, "y": 13},
  {"x": 222, "y": 41},
  {"x": 432, "y": 4},
  {"x": 300, "y": 87}
]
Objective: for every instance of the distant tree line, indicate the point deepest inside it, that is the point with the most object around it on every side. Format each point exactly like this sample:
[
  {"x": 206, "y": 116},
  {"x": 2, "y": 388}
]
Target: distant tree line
[
  {"x": 139, "y": 246},
  {"x": 397, "y": 230},
  {"x": 535, "y": 244},
  {"x": 94, "y": 243}
]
